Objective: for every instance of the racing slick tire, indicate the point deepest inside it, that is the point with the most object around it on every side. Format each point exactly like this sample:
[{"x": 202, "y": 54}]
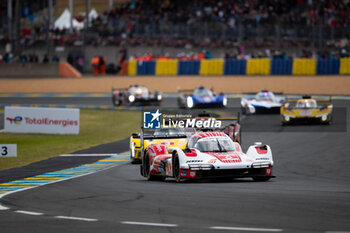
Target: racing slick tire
[
  {"x": 117, "y": 101},
  {"x": 261, "y": 178},
  {"x": 147, "y": 171},
  {"x": 176, "y": 167}
]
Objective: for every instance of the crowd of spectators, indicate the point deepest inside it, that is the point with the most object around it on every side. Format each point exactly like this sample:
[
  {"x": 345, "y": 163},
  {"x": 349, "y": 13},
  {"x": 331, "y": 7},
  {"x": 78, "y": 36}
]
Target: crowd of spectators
[
  {"x": 24, "y": 58},
  {"x": 194, "y": 23},
  {"x": 240, "y": 53}
]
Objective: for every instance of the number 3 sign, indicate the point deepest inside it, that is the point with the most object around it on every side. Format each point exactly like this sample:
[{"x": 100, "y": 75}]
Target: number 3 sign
[{"x": 8, "y": 150}]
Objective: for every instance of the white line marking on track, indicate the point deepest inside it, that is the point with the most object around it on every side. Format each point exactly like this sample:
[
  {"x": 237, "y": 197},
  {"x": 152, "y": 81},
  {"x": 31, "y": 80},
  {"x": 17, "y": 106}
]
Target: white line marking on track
[
  {"x": 337, "y": 232},
  {"x": 3, "y": 207},
  {"x": 86, "y": 155},
  {"x": 149, "y": 224},
  {"x": 77, "y": 218},
  {"x": 28, "y": 212},
  {"x": 245, "y": 229},
  {"x": 54, "y": 181}
]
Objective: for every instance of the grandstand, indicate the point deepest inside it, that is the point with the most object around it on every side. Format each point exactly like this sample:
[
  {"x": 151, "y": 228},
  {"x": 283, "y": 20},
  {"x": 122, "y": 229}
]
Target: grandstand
[{"x": 230, "y": 29}]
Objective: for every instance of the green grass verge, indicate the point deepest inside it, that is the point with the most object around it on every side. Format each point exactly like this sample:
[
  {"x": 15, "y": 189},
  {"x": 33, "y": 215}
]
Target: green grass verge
[{"x": 96, "y": 127}]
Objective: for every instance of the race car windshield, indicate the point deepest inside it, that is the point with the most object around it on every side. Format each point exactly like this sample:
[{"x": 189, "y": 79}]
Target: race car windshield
[
  {"x": 267, "y": 96},
  {"x": 138, "y": 90},
  {"x": 201, "y": 92},
  {"x": 173, "y": 132},
  {"x": 212, "y": 144},
  {"x": 306, "y": 104}
]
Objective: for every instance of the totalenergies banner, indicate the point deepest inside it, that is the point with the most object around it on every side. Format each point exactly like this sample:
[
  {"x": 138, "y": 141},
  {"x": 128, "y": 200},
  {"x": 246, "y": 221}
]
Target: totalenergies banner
[{"x": 42, "y": 120}]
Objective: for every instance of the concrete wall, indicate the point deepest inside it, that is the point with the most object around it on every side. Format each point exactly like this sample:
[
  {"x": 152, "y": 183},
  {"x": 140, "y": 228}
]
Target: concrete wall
[
  {"x": 112, "y": 54},
  {"x": 29, "y": 70}
]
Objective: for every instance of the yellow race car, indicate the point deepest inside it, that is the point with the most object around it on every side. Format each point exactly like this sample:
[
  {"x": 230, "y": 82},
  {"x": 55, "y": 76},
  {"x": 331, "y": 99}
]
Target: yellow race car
[
  {"x": 171, "y": 137},
  {"x": 306, "y": 110}
]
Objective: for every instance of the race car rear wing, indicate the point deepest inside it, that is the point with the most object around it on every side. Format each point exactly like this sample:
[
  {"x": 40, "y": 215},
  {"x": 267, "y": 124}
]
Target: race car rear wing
[
  {"x": 120, "y": 89},
  {"x": 323, "y": 99},
  {"x": 320, "y": 99},
  {"x": 321, "y": 102},
  {"x": 190, "y": 91}
]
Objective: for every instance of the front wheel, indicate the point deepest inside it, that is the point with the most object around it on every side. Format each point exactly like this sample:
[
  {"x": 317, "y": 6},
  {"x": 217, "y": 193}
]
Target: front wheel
[
  {"x": 117, "y": 101},
  {"x": 147, "y": 168},
  {"x": 176, "y": 167}
]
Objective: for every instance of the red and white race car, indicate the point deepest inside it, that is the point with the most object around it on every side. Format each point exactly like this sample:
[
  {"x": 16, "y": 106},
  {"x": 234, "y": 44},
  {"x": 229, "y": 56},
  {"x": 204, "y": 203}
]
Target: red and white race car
[{"x": 207, "y": 155}]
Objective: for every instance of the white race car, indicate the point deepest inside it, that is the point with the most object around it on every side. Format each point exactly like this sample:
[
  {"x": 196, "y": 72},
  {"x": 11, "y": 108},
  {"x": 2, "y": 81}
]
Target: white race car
[
  {"x": 262, "y": 102},
  {"x": 207, "y": 155}
]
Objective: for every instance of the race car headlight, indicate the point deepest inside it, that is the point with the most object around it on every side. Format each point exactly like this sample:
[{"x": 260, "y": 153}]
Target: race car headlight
[
  {"x": 251, "y": 108},
  {"x": 324, "y": 117},
  {"x": 200, "y": 166},
  {"x": 189, "y": 102},
  {"x": 287, "y": 118},
  {"x": 131, "y": 98},
  {"x": 224, "y": 101},
  {"x": 132, "y": 149},
  {"x": 159, "y": 97},
  {"x": 261, "y": 165}
]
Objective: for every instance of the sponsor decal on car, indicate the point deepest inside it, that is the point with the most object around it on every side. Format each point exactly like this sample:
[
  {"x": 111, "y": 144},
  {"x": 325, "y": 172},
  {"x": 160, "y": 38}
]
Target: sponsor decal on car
[
  {"x": 227, "y": 158},
  {"x": 192, "y": 174},
  {"x": 212, "y": 161},
  {"x": 268, "y": 171},
  {"x": 194, "y": 161}
]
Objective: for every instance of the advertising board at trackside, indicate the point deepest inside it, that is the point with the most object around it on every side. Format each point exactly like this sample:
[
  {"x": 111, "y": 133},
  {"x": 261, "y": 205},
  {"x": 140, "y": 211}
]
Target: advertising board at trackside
[{"x": 41, "y": 120}]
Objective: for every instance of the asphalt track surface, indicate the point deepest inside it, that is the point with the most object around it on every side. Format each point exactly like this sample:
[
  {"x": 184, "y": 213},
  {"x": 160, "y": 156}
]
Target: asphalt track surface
[{"x": 310, "y": 194}]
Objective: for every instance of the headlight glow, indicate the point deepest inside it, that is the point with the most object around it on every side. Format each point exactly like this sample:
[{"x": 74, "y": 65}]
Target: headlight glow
[
  {"x": 132, "y": 149},
  {"x": 251, "y": 109},
  {"x": 261, "y": 165},
  {"x": 189, "y": 102},
  {"x": 224, "y": 101},
  {"x": 131, "y": 98}
]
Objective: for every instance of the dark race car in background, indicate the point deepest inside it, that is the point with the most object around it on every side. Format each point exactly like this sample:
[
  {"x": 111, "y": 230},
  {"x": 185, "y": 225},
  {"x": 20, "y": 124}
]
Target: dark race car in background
[
  {"x": 135, "y": 95},
  {"x": 201, "y": 97}
]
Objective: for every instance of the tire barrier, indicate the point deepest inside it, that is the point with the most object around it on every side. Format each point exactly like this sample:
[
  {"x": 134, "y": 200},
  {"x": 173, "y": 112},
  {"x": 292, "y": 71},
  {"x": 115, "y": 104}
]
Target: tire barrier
[
  {"x": 258, "y": 66},
  {"x": 212, "y": 67},
  {"x": 189, "y": 67},
  {"x": 281, "y": 66},
  {"x": 304, "y": 66},
  {"x": 344, "y": 66},
  {"x": 235, "y": 67},
  {"x": 166, "y": 67},
  {"x": 328, "y": 66},
  {"x": 253, "y": 66},
  {"x": 146, "y": 67}
]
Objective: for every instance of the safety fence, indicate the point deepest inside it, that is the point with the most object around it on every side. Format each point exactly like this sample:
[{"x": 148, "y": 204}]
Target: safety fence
[{"x": 254, "y": 66}]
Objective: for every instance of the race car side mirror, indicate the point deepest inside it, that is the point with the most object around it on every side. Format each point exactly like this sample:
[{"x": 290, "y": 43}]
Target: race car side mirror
[
  {"x": 134, "y": 134},
  {"x": 187, "y": 150}
]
